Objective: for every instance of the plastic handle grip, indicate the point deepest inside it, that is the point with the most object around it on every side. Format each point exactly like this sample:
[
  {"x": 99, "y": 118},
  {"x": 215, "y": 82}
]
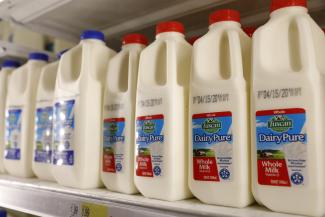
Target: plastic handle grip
[
  {"x": 236, "y": 64},
  {"x": 307, "y": 48}
]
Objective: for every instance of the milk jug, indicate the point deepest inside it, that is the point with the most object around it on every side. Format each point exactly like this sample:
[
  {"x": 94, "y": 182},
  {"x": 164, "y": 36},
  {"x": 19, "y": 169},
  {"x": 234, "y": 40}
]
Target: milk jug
[
  {"x": 118, "y": 116},
  {"x": 7, "y": 67},
  {"x": 43, "y": 135},
  {"x": 161, "y": 115},
  {"x": 288, "y": 161},
  {"x": 219, "y": 169},
  {"x": 77, "y": 111},
  {"x": 20, "y": 107}
]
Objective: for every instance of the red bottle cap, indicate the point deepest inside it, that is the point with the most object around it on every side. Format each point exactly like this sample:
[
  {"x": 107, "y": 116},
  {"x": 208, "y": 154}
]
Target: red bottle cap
[
  {"x": 249, "y": 30},
  {"x": 278, "y": 4},
  {"x": 224, "y": 15},
  {"x": 135, "y": 38},
  {"x": 192, "y": 39},
  {"x": 170, "y": 26}
]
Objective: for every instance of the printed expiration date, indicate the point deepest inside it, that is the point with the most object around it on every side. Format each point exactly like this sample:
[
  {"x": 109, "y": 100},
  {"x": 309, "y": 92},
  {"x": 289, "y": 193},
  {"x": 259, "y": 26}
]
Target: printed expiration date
[{"x": 279, "y": 93}]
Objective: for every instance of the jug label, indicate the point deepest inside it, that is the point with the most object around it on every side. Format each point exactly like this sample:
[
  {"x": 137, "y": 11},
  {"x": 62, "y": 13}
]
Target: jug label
[
  {"x": 43, "y": 134},
  {"x": 150, "y": 149},
  {"x": 281, "y": 142},
  {"x": 63, "y": 124},
  {"x": 113, "y": 145},
  {"x": 13, "y": 133},
  {"x": 212, "y": 146}
]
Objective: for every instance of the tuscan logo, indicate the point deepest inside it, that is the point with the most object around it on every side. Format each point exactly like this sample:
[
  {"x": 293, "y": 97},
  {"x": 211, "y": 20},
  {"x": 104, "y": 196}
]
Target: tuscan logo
[
  {"x": 44, "y": 116},
  {"x": 113, "y": 128},
  {"x": 279, "y": 123},
  {"x": 12, "y": 118},
  {"x": 148, "y": 126},
  {"x": 211, "y": 125}
]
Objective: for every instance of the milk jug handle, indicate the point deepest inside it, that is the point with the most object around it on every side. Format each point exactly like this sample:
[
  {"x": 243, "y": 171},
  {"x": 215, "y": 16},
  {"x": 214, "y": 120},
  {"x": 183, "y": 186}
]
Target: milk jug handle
[
  {"x": 235, "y": 55},
  {"x": 307, "y": 49}
]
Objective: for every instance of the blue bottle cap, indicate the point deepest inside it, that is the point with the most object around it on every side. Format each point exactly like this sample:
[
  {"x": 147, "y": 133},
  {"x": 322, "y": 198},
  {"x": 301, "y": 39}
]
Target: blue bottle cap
[
  {"x": 38, "y": 56},
  {"x": 3, "y": 213},
  {"x": 92, "y": 34},
  {"x": 10, "y": 64},
  {"x": 59, "y": 54}
]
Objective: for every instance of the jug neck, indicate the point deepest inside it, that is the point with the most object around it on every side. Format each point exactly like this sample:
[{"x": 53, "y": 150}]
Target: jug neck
[
  {"x": 92, "y": 41},
  {"x": 170, "y": 35},
  {"x": 133, "y": 46},
  {"x": 7, "y": 69},
  {"x": 289, "y": 10},
  {"x": 224, "y": 24},
  {"x": 37, "y": 61}
]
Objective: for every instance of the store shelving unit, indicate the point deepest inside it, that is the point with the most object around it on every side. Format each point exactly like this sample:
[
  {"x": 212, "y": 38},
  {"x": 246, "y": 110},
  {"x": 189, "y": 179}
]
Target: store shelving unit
[
  {"x": 50, "y": 199},
  {"x": 66, "y": 19},
  {"x": 13, "y": 51}
]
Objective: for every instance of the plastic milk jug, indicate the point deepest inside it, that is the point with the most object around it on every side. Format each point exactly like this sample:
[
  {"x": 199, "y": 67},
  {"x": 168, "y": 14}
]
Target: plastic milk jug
[
  {"x": 288, "y": 163},
  {"x": 219, "y": 157},
  {"x": 118, "y": 116},
  {"x": 77, "y": 111},
  {"x": 43, "y": 135},
  {"x": 161, "y": 115},
  {"x": 20, "y": 115},
  {"x": 7, "y": 67}
]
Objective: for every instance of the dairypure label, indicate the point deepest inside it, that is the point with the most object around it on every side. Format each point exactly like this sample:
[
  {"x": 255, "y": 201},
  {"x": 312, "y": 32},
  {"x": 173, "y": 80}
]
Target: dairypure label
[
  {"x": 113, "y": 145},
  {"x": 281, "y": 147},
  {"x": 63, "y": 124},
  {"x": 13, "y": 133},
  {"x": 150, "y": 141},
  {"x": 43, "y": 133},
  {"x": 212, "y": 146}
]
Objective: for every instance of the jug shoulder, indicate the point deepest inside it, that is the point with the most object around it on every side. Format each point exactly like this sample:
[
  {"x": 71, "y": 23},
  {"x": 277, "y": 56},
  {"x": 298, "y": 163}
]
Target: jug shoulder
[
  {"x": 179, "y": 42},
  {"x": 296, "y": 45},
  {"x": 279, "y": 23},
  {"x": 221, "y": 57},
  {"x": 5, "y": 72},
  {"x": 47, "y": 81},
  {"x": 35, "y": 64},
  {"x": 96, "y": 47},
  {"x": 17, "y": 84},
  {"x": 119, "y": 55}
]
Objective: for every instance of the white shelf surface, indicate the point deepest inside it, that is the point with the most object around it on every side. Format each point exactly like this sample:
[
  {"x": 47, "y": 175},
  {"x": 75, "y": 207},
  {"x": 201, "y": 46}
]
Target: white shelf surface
[
  {"x": 50, "y": 199},
  {"x": 68, "y": 18}
]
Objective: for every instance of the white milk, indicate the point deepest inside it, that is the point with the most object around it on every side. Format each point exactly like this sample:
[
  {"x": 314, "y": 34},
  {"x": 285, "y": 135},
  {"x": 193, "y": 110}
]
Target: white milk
[
  {"x": 118, "y": 116},
  {"x": 288, "y": 111},
  {"x": 78, "y": 112},
  {"x": 161, "y": 115},
  {"x": 219, "y": 169},
  {"x": 20, "y": 115},
  {"x": 7, "y": 67},
  {"x": 43, "y": 135}
]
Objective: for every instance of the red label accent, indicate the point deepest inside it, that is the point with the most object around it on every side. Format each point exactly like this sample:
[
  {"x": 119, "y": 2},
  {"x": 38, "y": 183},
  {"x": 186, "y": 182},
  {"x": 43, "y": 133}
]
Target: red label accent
[
  {"x": 281, "y": 112},
  {"x": 114, "y": 120},
  {"x": 273, "y": 172},
  {"x": 205, "y": 169},
  {"x": 109, "y": 162},
  {"x": 212, "y": 115},
  {"x": 150, "y": 117},
  {"x": 144, "y": 166}
]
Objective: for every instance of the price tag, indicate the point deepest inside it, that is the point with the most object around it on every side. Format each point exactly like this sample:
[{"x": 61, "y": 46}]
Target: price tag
[{"x": 89, "y": 210}]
